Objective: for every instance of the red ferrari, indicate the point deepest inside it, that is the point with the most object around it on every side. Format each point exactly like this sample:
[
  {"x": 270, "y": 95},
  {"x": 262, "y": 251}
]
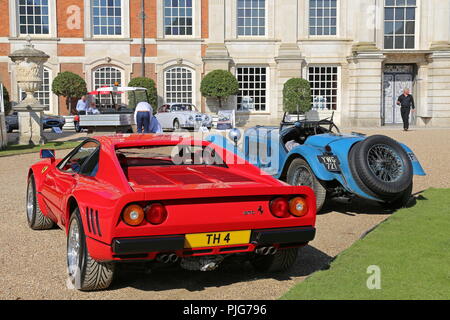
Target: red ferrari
[{"x": 165, "y": 199}]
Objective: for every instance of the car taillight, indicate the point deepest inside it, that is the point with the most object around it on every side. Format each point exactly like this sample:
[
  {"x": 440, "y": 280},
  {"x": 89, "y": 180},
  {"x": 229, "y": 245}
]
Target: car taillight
[
  {"x": 133, "y": 215},
  {"x": 298, "y": 206},
  {"x": 156, "y": 213},
  {"x": 279, "y": 207}
]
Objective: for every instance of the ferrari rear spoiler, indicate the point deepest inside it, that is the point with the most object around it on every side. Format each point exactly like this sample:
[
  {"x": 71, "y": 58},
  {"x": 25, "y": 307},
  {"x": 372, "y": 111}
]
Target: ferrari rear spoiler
[{"x": 223, "y": 192}]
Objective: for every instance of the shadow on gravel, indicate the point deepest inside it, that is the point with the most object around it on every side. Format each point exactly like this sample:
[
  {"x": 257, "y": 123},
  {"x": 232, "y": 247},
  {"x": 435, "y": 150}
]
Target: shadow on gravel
[
  {"x": 361, "y": 206},
  {"x": 232, "y": 270}
]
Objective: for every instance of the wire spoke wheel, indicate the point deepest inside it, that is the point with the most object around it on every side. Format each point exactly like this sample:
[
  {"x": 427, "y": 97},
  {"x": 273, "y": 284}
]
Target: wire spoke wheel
[
  {"x": 385, "y": 163},
  {"x": 303, "y": 177}
]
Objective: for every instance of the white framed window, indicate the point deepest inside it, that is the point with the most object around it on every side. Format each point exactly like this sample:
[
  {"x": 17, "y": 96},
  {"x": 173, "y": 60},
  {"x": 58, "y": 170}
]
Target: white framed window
[
  {"x": 45, "y": 93},
  {"x": 178, "y": 85},
  {"x": 107, "y": 17},
  {"x": 251, "y": 17},
  {"x": 33, "y": 17},
  {"x": 399, "y": 24},
  {"x": 107, "y": 76},
  {"x": 252, "y": 88},
  {"x": 324, "y": 80},
  {"x": 322, "y": 17},
  {"x": 178, "y": 17}
]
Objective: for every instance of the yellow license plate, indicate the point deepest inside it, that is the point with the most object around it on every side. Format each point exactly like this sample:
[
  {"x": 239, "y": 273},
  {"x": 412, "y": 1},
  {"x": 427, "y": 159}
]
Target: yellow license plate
[{"x": 214, "y": 239}]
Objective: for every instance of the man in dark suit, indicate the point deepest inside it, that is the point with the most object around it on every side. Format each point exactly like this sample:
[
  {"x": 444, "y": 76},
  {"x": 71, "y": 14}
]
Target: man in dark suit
[{"x": 406, "y": 101}]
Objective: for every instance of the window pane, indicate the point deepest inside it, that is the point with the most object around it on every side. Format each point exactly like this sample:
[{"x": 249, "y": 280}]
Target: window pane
[
  {"x": 323, "y": 16},
  {"x": 178, "y": 17},
  {"x": 33, "y": 17},
  {"x": 252, "y": 88},
  {"x": 107, "y": 17},
  {"x": 399, "y": 24},
  {"x": 107, "y": 76},
  {"x": 251, "y": 17},
  {"x": 324, "y": 87},
  {"x": 182, "y": 84}
]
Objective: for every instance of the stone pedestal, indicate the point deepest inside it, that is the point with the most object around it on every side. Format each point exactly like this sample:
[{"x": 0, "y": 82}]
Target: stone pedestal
[{"x": 30, "y": 125}]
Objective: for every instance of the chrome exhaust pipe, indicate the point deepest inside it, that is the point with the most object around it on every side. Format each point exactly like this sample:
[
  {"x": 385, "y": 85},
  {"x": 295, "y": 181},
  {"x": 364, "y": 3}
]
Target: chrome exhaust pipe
[
  {"x": 264, "y": 251},
  {"x": 272, "y": 250},
  {"x": 173, "y": 258},
  {"x": 164, "y": 258}
]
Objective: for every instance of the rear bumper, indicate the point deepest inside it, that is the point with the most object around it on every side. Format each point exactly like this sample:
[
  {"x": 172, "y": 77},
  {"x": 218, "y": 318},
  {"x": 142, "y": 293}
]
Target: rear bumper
[{"x": 282, "y": 236}]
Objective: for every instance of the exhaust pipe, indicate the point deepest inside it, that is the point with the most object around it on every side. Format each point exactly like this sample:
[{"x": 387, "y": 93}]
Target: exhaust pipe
[
  {"x": 264, "y": 251},
  {"x": 164, "y": 258}
]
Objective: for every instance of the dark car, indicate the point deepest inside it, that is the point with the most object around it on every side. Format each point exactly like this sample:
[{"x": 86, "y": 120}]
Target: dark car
[{"x": 48, "y": 121}]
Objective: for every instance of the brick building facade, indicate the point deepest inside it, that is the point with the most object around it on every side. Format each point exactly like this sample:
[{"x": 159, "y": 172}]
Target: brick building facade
[{"x": 358, "y": 55}]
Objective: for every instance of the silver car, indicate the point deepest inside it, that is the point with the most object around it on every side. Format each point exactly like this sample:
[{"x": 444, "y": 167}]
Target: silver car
[{"x": 175, "y": 116}]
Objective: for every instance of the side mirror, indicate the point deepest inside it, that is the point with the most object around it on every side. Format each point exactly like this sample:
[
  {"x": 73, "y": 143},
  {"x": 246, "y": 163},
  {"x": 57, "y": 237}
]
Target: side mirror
[{"x": 48, "y": 154}]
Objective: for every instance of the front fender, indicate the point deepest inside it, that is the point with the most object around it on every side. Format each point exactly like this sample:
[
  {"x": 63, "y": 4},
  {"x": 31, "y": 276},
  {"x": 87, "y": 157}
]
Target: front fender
[
  {"x": 417, "y": 167},
  {"x": 310, "y": 155}
]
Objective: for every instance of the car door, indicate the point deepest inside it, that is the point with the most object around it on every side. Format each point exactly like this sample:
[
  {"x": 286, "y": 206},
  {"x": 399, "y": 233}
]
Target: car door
[
  {"x": 163, "y": 115},
  {"x": 61, "y": 182}
]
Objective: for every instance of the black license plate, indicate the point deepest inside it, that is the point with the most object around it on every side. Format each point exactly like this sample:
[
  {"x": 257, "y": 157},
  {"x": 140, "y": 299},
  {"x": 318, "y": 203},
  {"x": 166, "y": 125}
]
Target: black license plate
[{"x": 330, "y": 162}]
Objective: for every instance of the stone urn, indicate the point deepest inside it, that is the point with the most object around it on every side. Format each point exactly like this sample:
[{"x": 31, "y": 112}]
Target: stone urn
[{"x": 29, "y": 64}]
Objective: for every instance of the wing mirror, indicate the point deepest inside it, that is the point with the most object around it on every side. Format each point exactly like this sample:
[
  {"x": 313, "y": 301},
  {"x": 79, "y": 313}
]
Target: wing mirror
[{"x": 48, "y": 154}]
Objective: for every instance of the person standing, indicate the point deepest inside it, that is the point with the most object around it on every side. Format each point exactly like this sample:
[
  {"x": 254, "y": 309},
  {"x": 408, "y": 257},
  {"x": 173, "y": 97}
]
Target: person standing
[
  {"x": 82, "y": 106},
  {"x": 145, "y": 121},
  {"x": 406, "y": 103}
]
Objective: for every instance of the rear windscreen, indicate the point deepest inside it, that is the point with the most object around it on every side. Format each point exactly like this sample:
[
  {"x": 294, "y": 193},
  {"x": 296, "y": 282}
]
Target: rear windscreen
[{"x": 178, "y": 155}]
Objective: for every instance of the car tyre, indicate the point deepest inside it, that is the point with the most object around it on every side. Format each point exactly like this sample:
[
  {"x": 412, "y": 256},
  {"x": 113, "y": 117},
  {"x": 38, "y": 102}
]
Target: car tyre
[
  {"x": 402, "y": 200},
  {"x": 36, "y": 219},
  {"x": 85, "y": 273},
  {"x": 388, "y": 150},
  {"x": 176, "y": 125},
  {"x": 301, "y": 174},
  {"x": 281, "y": 261}
]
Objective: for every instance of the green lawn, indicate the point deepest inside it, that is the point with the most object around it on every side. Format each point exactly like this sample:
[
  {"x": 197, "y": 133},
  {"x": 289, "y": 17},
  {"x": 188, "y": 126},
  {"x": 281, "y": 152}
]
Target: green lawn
[
  {"x": 20, "y": 149},
  {"x": 411, "y": 248}
]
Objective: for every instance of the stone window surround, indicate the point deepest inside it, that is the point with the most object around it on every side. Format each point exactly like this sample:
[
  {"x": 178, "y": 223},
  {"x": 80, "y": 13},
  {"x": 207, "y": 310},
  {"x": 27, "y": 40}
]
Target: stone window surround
[
  {"x": 196, "y": 22},
  {"x": 88, "y": 22},
  {"x": 14, "y": 23}
]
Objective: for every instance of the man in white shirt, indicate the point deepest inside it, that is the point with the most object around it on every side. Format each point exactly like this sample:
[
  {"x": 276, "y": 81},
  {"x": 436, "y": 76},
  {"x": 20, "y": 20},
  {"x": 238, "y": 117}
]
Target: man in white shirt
[
  {"x": 145, "y": 121},
  {"x": 93, "y": 109},
  {"x": 82, "y": 106}
]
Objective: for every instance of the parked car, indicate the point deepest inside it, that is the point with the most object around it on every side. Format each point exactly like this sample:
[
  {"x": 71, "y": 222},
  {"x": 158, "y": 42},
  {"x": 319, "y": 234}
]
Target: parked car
[
  {"x": 165, "y": 199},
  {"x": 48, "y": 121},
  {"x": 175, "y": 116},
  {"x": 316, "y": 154}
]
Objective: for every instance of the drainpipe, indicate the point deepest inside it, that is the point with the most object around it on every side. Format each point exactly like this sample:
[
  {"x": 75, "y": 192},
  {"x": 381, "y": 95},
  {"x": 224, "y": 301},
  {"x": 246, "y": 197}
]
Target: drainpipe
[{"x": 143, "y": 38}]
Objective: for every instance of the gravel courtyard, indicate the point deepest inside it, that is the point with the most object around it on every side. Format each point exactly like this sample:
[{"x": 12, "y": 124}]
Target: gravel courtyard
[{"x": 32, "y": 263}]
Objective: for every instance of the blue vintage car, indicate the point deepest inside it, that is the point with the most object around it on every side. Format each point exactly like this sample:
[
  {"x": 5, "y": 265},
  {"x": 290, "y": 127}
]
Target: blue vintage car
[{"x": 333, "y": 164}]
